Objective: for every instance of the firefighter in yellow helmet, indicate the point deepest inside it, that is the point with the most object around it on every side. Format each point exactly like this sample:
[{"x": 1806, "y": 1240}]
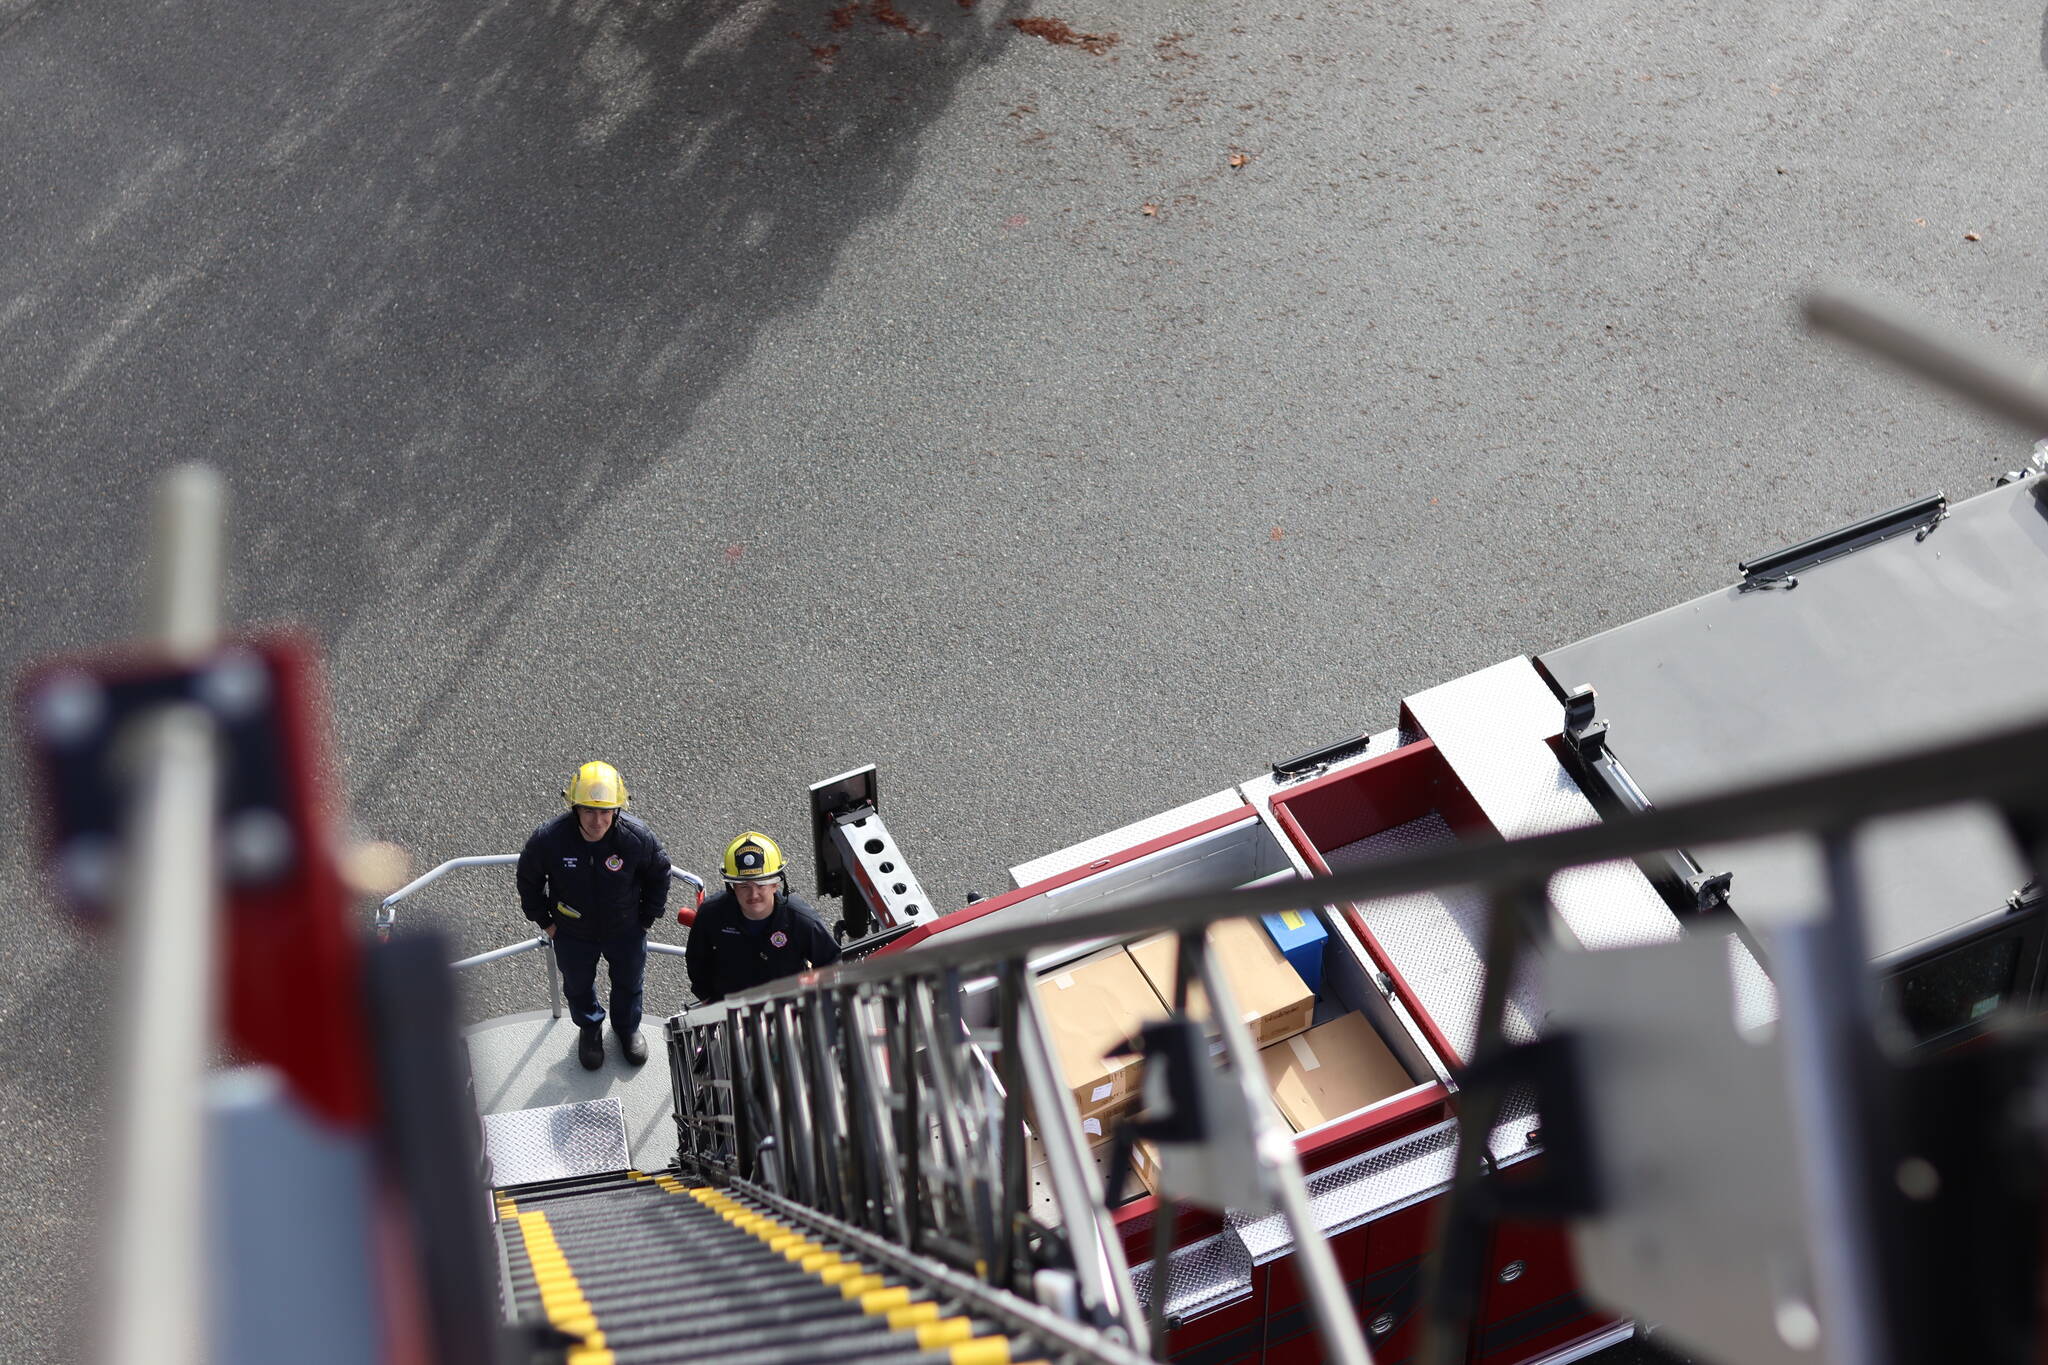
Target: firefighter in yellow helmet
[
  {"x": 756, "y": 929},
  {"x": 596, "y": 879}
]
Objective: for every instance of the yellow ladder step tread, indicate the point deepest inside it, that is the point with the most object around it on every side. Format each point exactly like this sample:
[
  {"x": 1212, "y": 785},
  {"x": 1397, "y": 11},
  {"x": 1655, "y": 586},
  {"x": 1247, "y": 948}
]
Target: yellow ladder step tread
[
  {"x": 884, "y": 1300},
  {"x": 560, "y": 1296},
  {"x": 944, "y": 1332}
]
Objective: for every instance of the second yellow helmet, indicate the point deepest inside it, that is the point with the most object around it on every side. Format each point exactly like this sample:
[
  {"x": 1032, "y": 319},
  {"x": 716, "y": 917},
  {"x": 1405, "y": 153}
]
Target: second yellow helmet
[{"x": 753, "y": 857}]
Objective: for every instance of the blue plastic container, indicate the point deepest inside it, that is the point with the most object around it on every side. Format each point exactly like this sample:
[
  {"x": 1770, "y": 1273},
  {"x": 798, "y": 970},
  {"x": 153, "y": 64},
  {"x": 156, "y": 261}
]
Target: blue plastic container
[{"x": 1299, "y": 934}]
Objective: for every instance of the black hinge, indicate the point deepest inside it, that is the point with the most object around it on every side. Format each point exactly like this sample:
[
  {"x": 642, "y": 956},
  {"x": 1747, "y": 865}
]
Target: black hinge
[
  {"x": 1316, "y": 760},
  {"x": 1776, "y": 570}
]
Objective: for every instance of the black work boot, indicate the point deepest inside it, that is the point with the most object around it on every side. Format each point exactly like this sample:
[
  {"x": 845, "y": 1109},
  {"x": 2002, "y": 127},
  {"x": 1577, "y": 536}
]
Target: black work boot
[
  {"x": 634, "y": 1045},
  {"x": 590, "y": 1047}
]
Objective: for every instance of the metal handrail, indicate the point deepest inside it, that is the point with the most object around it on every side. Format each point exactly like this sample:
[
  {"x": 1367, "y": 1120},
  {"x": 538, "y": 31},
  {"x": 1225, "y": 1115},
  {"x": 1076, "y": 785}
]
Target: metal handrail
[
  {"x": 387, "y": 909},
  {"x": 387, "y": 918},
  {"x": 904, "y": 1046}
]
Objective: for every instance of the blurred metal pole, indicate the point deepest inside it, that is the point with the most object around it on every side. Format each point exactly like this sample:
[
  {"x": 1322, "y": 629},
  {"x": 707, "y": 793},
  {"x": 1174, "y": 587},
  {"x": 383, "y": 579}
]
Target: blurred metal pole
[
  {"x": 156, "y": 1288},
  {"x": 1829, "y": 1048},
  {"x": 1315, "y": 1265},
  {"x": 2016, "y": 393},
  {"x": 554, "y": 980},
  {"x": 185, "y": 560}
]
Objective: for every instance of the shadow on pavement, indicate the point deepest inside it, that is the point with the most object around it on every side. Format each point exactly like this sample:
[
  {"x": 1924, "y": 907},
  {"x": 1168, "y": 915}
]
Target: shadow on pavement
[
  {"x": 472, "y": 268},
  {"x": 475, "y": 266}
]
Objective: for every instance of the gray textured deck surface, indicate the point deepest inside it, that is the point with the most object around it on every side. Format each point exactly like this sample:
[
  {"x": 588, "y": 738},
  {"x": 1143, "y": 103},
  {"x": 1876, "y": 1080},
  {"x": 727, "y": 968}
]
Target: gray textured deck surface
[{"x": 528, "y": 1061}]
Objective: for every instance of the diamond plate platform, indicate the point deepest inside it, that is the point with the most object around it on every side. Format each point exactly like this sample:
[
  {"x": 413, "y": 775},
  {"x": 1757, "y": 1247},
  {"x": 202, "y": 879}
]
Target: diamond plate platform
[
  {"x": 528, "y": 1061},
  {"x": 1207, "y": 1275},
  {"x": 1218, "y": 1270},
  {"x": 556, "y": 1143},
  {"x": 1494, "y": 728},
  {"x": 1374, "y": 1184},
  {"x": 1438, "y": 937}
]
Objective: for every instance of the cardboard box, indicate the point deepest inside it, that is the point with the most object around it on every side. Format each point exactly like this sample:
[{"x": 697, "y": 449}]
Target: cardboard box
[
  {"x": 1145, "y": 1156},
  {"x": 1099, "y": 1128},
  {"x": 1275, "y": 1000},
  {"x": 1300, "y": 936},
  {"x": 1096, "y": 1129},
  {"x": 1090, "y": 1010},
  {"x": 1145, "y": 1161},
  {"x": 1332, "y": 1070}
]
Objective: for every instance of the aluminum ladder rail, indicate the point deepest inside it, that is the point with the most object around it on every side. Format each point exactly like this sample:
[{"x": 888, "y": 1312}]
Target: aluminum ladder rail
[{"x": 874, "y": 1104}]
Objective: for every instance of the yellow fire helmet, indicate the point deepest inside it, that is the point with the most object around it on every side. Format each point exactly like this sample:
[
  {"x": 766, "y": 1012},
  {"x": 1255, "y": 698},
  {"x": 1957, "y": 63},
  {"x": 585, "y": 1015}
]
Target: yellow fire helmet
[
  {"x": 597, "y": 784},
  {"x": 753, "y": 857}
]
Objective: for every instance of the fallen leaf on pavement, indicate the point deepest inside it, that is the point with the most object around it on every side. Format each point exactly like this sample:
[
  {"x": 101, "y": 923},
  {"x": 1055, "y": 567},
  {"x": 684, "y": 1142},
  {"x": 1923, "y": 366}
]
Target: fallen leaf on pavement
[
  {"x": 1149, "y": 210},
  {"x": 1060, "y": 32}
]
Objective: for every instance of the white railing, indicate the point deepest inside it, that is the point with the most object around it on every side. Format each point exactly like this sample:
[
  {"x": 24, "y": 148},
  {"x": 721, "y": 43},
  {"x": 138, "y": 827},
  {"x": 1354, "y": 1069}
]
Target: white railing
[{"x": 387, "y": 919}]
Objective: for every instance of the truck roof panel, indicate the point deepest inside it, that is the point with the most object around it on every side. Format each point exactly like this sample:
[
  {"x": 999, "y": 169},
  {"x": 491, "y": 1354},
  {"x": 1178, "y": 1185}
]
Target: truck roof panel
[{"x": 1903, "y": 643}]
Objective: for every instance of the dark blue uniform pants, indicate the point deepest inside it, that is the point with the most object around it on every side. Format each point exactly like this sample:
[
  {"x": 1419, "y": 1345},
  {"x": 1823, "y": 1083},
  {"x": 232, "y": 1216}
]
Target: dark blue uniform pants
[{"x": 577, "y": 957}]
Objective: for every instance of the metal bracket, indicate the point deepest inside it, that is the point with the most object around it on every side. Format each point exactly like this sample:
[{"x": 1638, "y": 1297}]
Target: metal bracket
[
  {"x": 1776, "y": 569},
  {"x": 857, "y": 859},
  {"x": 1569, "y": 1184},
  {"x": 831, "y": 798},
  {"x": 1317, "y": 761},
  {"x": 77, "y": 715}
]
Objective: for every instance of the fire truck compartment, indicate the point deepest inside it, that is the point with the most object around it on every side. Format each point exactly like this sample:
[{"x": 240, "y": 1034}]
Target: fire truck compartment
[
  {"x": 1429, "y": 944},
  {"x": 1225, "y": 850}
]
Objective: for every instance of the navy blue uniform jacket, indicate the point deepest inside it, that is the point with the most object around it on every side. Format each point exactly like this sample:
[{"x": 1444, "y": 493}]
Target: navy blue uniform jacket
[
  {"x": 725, "y": 959},
  {"x": 615, "y": 886}
]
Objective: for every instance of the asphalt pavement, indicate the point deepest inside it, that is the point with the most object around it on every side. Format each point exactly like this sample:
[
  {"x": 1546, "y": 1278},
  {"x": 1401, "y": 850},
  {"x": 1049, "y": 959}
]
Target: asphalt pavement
[{"x": 1070, "y": 417}]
